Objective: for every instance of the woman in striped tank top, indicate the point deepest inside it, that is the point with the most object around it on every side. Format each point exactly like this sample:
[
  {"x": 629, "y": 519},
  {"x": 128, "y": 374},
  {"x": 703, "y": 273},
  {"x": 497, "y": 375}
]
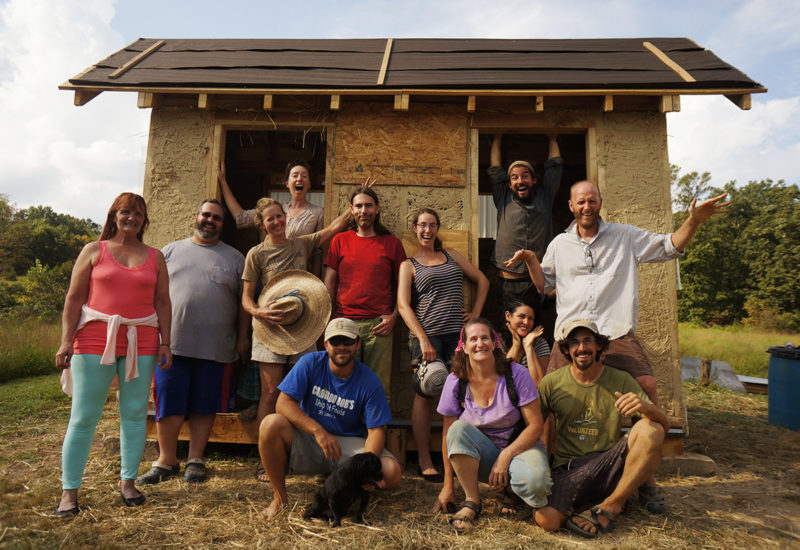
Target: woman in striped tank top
[{"x": 437, "y": 275}]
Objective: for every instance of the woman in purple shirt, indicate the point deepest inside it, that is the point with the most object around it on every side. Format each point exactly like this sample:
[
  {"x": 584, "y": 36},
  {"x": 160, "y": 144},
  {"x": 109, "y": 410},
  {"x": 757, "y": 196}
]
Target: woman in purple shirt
[{"x": 477, "y": 441}]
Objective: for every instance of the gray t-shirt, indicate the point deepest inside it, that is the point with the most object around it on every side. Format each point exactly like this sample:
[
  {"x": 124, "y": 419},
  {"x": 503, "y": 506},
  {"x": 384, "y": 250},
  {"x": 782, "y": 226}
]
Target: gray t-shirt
[{"x": 205, "y": 289}]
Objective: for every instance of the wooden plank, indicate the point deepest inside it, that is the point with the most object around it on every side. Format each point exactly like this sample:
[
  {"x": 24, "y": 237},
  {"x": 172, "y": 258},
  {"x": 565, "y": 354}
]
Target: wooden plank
[
  {"x": 742, "y": 101},
  {"x": 385, "y": 61},
  {"x": 145, "y": 100},
  {"x": 438, "y": 91},
  {"x": 227, "y": 428},
  {"x": 267, "y": 105},
  {"x": 401, "y": 102},
  {"x": 591, "y": 156},
  {"x": 667, "y": 104},
  {"x": 204, "y": 101},
  {"x": 82, "y": 97},
  {"x": 336, "y": 101},
  {"x": 608, "y": 103},
  {"x": 666, "y": 60},
  {"x": 539, "y": 103},
  {"x": 133, "y": 62},
  {"x": 471, "y": 104}
]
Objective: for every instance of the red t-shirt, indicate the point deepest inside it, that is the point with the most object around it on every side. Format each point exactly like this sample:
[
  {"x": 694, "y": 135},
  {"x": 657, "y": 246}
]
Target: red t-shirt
[{"x": 367, "y": 270}]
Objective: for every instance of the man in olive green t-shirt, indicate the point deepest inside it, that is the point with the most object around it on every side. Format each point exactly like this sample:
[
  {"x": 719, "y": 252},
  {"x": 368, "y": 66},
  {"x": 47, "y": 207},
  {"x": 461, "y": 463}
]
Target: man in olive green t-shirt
[{"x": 595, "y": 470}]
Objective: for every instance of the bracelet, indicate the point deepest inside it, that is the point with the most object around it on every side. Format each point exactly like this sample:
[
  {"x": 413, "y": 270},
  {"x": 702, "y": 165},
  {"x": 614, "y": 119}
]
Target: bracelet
[{"x": 163, "y": 345}]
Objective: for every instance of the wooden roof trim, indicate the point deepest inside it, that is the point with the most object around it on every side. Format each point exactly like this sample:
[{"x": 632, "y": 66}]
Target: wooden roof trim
[
  {"x": 385, "y": 62},
  {"x": 683, "y": 73},
  {"x": 133, "y": 62},
  {"x": 420, "y": 91}
]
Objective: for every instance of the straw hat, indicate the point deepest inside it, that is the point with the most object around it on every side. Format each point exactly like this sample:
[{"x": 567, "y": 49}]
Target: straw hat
[{"x": 306, "y": 305}]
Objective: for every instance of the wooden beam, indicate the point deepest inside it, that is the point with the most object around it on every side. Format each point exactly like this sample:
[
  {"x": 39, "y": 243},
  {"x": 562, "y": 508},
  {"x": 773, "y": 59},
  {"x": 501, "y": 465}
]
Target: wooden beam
[
  {"x": 130, "y": 64},
  {"x": 82, "y": 97},
  {"x": 204, "y": 101},
  {"x": 742, "y": 101},
  {"x": 385, "y": 61},
  {"x": 471, "y": 104},
  {"x": 665, "y": 59},
  {"x": 336, "y": 101},
  {"x": 267, "y": 102},
  {"x": 669, "y": 104},
  {"x": 608, "y": 103},
  {"x": 145, "y": 100},
  {"x": 539, "y": 103},
  {"x": 401, "y": 102}
]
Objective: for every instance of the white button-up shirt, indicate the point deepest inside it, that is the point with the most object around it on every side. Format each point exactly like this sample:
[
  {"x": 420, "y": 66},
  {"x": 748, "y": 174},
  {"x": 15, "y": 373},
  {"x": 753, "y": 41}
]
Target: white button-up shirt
[{"x": 598, "y": 280}]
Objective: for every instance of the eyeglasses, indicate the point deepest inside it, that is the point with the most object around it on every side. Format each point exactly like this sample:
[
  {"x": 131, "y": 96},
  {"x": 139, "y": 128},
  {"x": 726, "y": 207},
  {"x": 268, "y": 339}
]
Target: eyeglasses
[
  {"x": 425, "y": 226},
  {"x": 341, "y": 341},
  {"x": 587, "y": 256},
  {"x": 215, "y": 217}
]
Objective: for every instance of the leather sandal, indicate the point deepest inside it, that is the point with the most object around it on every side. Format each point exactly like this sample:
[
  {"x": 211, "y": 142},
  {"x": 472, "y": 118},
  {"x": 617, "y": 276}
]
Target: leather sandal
[
  {"x": 592, "y": 516},
  {"x": 466, "y": 521}
]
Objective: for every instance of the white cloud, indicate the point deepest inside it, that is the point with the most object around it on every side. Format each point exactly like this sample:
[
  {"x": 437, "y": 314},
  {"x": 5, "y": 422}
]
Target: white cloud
[
  {"x": 75, "y": 159},
  {"x": 710, "y": 134}
]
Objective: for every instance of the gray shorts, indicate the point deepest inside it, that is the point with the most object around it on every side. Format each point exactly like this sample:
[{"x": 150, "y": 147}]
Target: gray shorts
[
  {"x": 306, "y": 457},
  {"x": 262, "y": 354}
]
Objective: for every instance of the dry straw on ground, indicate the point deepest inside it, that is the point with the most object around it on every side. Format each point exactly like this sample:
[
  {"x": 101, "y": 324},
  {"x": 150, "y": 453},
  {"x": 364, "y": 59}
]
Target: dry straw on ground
[{"x": 753, "y": 501}]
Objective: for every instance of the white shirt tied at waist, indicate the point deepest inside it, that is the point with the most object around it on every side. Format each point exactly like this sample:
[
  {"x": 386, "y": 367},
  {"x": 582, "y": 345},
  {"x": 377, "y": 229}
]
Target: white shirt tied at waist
[{"x": 110, "y": 352}]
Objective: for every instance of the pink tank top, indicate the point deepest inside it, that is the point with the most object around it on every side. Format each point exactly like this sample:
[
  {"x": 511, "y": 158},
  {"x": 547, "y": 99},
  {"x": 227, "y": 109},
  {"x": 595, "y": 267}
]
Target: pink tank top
[{"x": 118, "y": 290}]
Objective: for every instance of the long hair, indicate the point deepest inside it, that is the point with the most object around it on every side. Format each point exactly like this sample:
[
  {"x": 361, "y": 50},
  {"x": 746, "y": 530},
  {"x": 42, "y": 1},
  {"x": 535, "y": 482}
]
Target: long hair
[
  {"x": 601, "y": 340},
  {"x": 378, "y": 227},
  {"x": 437, "y": 243},
  {"x": 261, "y": 205},
  {"x": 124, "y": 200},
  {"x": 297, "y": 162},
  {"x": 511, "y": 307},
  {"x": 461, "y": 366}
]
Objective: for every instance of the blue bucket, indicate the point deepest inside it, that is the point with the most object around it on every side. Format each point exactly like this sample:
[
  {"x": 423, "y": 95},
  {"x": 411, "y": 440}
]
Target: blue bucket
[{"x": 784, "y": 387}]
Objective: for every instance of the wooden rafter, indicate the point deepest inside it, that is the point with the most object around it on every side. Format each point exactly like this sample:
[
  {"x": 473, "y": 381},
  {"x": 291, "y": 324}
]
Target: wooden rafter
[
  {"x": 471, "y": 104},
  {"x": 401, "y": 102},
  {"x": 539, "y": 103},
  {"x": 267, "y": 105},
  {"x": 82, "y": 97},
  {"x": 385, "y": 62},
  {"x": 742, "y": 101},
  {"x": 130, "y": 64},
  {"x": 336, "y": 101},
  {"x": 608, "y": 103},
  {"x": 666, "y": 60}
]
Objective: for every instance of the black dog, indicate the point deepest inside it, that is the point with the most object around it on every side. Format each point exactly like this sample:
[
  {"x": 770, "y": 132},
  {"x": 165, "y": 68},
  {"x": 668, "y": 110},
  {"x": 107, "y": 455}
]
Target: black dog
[{"x": 343, "y": 486}]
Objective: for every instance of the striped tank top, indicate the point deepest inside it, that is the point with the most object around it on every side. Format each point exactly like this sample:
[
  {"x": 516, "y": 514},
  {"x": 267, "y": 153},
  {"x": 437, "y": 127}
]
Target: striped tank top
[{"x": 441, "y": 296}]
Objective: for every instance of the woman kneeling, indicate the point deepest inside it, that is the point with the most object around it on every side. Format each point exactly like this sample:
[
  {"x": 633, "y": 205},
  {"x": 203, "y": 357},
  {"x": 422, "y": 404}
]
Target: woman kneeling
[{"x": 482, "y": 415}]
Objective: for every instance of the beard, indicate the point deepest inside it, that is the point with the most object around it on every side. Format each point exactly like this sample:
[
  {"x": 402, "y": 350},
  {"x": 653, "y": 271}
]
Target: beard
[{"x": 207, "y": 231}]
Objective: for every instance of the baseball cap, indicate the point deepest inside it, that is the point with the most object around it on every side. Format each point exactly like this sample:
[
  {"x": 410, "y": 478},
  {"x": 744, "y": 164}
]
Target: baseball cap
[{"x": 341, "y": 327}]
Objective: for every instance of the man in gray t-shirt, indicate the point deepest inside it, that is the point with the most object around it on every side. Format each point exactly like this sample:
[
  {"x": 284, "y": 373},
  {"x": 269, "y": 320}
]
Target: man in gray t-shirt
[{"x": 209, "y": 330}]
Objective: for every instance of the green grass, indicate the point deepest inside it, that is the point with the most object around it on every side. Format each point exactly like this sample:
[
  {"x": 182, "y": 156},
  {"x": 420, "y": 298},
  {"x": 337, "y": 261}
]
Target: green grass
[
  {"x": 28, "y": 348},
  {"x": 744, "y": 348}
]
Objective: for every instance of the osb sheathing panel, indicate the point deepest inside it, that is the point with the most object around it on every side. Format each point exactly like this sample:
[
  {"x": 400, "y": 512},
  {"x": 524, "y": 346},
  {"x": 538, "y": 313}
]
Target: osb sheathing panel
[
  {"x": 175, "y": 174},
  {"x": 634, "y": 181},
  {"x": 416, "y": 147},
  {"x": 419, "y": 158}
]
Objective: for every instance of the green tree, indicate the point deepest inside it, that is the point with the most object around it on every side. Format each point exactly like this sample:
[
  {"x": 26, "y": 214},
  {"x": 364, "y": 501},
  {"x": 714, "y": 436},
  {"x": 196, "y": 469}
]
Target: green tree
[{"x": 742, "y": 265}]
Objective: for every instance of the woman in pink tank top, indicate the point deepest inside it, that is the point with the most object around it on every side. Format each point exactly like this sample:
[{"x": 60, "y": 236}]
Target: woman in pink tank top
[{"x": 116, "y": 321}]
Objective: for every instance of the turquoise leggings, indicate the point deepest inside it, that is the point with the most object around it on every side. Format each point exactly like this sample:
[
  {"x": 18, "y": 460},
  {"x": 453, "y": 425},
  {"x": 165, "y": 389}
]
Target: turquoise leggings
[{"x": 90, "y": 383}]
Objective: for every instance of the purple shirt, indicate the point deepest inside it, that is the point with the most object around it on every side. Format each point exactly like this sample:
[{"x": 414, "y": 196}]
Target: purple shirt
[{"x": 498, "y": 419}]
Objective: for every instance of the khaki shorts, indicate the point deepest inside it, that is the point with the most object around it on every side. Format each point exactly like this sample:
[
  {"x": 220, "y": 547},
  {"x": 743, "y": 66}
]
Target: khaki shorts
[
  {"x": 306, "y": 457},
  {"x": 262, "y": 354}
]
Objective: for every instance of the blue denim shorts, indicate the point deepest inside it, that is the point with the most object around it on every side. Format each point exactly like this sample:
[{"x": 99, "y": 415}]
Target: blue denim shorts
[{"x": 444, "y": 344}]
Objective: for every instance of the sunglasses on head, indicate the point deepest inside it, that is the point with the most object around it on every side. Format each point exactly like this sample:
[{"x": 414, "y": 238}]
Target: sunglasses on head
[{"x": 341, "y": 341}]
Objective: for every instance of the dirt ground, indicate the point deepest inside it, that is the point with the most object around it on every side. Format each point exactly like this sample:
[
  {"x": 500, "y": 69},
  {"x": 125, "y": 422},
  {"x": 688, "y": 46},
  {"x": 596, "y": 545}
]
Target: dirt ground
[{"x": 752, "y": 501}]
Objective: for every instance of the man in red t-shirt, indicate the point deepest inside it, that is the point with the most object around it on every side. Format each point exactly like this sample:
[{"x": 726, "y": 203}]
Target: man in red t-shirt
[{"x": 361, "y": 277}]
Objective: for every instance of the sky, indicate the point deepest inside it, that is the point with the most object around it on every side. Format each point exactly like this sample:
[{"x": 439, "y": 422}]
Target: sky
[{"x": 77, "y": 159}]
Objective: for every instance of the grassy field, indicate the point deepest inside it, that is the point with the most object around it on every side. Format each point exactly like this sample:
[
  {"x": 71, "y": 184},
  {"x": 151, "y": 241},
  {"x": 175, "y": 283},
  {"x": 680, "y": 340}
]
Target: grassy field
[
  {"x": 751, "y": 501},
  {"x": 27, "y": 348},
  {"x": 744, "y": 348}
]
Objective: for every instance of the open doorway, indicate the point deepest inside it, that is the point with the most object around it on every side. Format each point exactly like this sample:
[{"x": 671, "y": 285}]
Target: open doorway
[
  {"x": 532, "y": 147},
  {"x": 255, "y": 163}
]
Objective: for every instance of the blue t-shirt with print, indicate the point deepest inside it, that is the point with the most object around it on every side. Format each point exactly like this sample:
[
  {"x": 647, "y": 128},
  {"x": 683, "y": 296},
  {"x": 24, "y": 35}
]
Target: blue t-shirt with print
[{"x": 342, "y": 406}]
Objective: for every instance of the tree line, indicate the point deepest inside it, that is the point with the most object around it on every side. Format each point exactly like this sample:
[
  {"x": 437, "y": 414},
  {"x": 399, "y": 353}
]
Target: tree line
[
  {"x": 37, "y": 249},
  {"x": 741, "y": 266}
]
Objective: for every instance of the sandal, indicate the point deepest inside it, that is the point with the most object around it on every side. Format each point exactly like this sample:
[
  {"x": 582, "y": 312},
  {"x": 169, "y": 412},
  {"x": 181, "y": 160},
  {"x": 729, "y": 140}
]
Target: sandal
[
  {"x": 466, "y": 521},
  {"x": 651, "y": 499},
  {"x": 250, "y": 413},
  {"x": 512, "y": 505},
  {"x": 592, "y": 516},
  {"x": 158, "y": 473},
  {"x": 261, "y": 474}
]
